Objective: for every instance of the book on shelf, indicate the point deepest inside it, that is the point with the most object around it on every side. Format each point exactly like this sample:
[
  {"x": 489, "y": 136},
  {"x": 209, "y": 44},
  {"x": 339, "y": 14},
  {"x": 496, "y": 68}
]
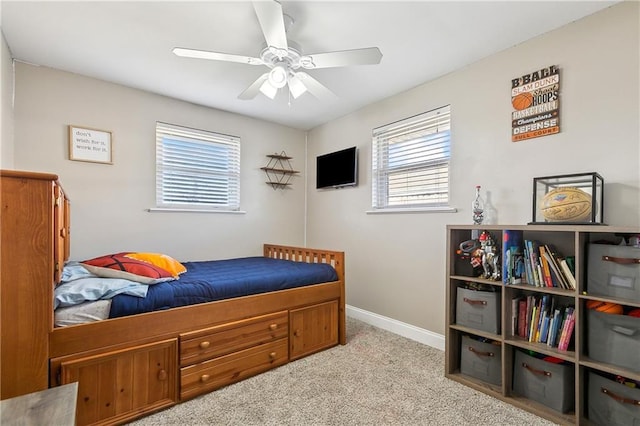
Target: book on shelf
[
  {"x": 539, "y": 319},
  {"x": 529, "y": 311},
  {"x": 528, "y": 273},
  {"x": 512, "y": 256},
  {"x": 544, "y": 330},
  {"x": 568, "y": 273},
  {"x": 541, "y": 266},
  {"x": 522, "y": 318},
  {"x": 515, "y": 313},
  {"x": 532, "y": 249},
  {"x": 567, "y": 330},
  {"x": 557, "y": 276},
  {"x": 555, "y": 324},
  {"x": 544, "y": 304},
  {"x": 571, "y": 261},
  {"x": 546, "y": 272},
  {"x": 567, "y": 277},
  {"x": 534, "y": 321}
]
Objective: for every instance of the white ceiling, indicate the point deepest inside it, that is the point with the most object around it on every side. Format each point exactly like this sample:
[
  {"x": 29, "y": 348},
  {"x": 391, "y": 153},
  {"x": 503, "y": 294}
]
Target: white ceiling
[{"x": 130, "y": 43}]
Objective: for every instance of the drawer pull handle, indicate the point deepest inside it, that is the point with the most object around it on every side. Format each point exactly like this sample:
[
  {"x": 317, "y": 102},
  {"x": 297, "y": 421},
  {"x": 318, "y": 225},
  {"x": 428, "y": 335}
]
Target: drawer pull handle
[
  {"x": 620, "y": 398},
  {"x": 621, "y": 260},
  {"x": 296, "y": 333},
  {"x": 204, "y": 345},
  {"x": 475, "y": 302},
  {"x": 472, "y": 349},
  {"x": 162, "y": 375},
  {"x": 536, "y": 371},
  {"x": 272, "y": 355},
  {"x": 204, "y": 378},
  {"x": 272, "y": 327}
]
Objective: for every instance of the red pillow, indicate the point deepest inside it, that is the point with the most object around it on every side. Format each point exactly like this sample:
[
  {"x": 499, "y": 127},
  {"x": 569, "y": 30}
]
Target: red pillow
[{"x": 119, "y": 266}]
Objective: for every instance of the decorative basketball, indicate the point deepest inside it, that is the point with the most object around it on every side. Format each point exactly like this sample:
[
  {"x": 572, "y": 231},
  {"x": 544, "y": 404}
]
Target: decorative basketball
[
  {"x": 606, "y": 307},
  {"x": 566, "y": 204},
  {"x": 522, "y": 100}
]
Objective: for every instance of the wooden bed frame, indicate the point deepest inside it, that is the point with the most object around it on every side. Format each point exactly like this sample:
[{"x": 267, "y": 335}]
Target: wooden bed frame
[{"x": 131, "y": 366}]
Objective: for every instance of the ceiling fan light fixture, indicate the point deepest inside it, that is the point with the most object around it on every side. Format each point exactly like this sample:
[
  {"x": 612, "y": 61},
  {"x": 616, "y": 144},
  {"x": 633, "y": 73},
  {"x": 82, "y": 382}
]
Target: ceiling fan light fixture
[
  {"x": 284, "y": 57},
  {"x": 268, "y": 90},
  {"x": 296, "y": 87},
  {"x": 278, "y": 76}
]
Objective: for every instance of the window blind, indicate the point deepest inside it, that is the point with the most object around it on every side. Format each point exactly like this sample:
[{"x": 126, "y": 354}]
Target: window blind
[
  {"x": 410, "y": 161},
  {"x": 196, "y": 169}
]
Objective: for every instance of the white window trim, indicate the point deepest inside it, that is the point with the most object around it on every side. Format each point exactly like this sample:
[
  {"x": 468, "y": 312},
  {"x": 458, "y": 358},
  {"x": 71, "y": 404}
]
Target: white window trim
[
  {"x": 176, "y": 210},
  {"x": 421, "y": 125},
  {"x": 164, "y": 129},
  {"x": 414, "y": 210}
]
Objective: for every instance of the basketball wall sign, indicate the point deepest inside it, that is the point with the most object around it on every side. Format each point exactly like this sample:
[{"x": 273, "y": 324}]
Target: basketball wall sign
[{"x": 535, "y": 102}]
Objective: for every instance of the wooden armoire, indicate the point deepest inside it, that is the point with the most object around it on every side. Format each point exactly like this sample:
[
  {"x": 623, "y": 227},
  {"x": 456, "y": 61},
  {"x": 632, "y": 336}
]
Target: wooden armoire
[{"x": 34, "y": 246}]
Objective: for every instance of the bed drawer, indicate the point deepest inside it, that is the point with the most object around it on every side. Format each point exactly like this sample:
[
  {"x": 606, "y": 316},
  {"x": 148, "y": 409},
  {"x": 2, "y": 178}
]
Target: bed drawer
[
  {"x": 231, "y": 368},
  {"x": 220, "y": 340}
]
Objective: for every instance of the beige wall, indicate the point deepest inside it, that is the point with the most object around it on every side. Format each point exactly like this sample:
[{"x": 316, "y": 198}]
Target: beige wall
[
  {"x": 6, "y": 105},
  {"x": 109, "y": 202},
  {"x": 395, "y": 263}
]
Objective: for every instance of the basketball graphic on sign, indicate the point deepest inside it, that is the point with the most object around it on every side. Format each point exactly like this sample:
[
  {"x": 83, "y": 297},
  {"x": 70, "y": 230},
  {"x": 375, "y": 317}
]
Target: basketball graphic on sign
[{"x": 522, "y": 100}]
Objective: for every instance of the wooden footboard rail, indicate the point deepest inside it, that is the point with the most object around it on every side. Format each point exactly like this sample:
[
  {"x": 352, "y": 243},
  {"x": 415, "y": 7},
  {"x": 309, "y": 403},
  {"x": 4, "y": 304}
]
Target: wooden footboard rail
[
  {"x": 300, "y": 254},
  {"x": 333, "y": 258}
]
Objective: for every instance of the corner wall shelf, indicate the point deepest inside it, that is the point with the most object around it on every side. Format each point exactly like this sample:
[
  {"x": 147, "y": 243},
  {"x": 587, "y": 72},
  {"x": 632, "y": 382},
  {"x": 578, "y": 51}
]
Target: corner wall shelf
[{"x": 279, "y": 170}]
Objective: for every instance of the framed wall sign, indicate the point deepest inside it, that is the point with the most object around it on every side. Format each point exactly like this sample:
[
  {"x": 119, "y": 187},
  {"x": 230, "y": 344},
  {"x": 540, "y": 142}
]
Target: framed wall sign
[
  {"x": 90, "y": 145},
  {"x": 535, "y": 99}
]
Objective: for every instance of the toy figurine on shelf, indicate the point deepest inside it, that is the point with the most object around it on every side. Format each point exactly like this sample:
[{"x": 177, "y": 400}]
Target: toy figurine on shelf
[
  {"x": 482, "y": 253},
  {"x": 490, "y": 258}
]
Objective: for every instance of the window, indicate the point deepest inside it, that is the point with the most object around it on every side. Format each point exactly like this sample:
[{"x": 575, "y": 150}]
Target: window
[
  {"x": 411, "y": 161},
  {"x": 196, "y": 169}
]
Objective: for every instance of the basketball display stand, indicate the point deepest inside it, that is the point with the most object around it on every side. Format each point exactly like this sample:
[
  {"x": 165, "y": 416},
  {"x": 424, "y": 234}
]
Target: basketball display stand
[
  {"x": 573, "y": 199},
  {"x": 580, "y": 356}
]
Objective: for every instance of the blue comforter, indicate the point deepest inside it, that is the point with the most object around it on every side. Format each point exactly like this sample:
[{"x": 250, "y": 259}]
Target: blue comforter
[{"x": 207, "y": 281}]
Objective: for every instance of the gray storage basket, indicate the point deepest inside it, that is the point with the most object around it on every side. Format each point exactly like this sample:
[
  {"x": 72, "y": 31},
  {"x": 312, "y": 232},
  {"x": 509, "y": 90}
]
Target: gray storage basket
[
  {"x": 478, "y": 309},
  {"x": 614, "y": 339},
  {"x": 481, "y": 360},
  {"x": 614, "y": 271},
  {"x": 612, "y": 404},
  {"x": 545, "y": 382}
]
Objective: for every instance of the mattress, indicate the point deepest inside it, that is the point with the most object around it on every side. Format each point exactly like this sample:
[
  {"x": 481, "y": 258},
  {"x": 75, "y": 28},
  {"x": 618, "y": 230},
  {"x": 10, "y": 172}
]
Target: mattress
[
  {"x": 207, "y": 281},
  {"x": 82, "y": 313}
]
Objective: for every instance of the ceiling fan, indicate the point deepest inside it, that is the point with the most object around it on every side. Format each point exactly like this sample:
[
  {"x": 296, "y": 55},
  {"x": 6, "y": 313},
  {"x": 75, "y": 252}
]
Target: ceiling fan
[{"x": 285, "y": 58}]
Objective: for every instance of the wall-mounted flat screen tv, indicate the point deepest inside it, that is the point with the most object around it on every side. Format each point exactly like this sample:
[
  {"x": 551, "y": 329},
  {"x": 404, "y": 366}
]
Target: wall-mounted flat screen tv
[{"x": 337, "y": 169}]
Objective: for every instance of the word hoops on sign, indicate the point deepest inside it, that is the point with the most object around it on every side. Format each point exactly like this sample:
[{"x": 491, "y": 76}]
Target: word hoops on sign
[{"x": 535, "y": 99}]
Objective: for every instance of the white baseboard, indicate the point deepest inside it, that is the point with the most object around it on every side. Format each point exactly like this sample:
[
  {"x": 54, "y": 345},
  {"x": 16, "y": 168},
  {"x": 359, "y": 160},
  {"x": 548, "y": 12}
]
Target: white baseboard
[{"x": 403, "y": 329}]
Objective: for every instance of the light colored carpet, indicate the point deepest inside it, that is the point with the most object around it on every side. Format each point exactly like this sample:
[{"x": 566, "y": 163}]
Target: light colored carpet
[{"x": 378, "y": 378}]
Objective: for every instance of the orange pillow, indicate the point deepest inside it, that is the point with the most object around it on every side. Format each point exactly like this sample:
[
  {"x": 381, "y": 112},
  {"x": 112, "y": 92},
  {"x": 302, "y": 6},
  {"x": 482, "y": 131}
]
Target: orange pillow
[
  {"x": 160, "y": 260},
  {"x": 119, "y": 266}
]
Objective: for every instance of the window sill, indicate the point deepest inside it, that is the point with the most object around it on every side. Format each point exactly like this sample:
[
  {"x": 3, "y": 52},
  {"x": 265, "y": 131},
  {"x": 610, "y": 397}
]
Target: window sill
[
  {"x": 414, "y": 210},
  {"x": 171, "y": 210}
]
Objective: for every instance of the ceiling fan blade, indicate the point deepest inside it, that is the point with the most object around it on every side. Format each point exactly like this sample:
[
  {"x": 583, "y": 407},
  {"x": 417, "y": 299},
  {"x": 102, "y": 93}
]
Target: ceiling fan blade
[
  {"x": 272, "y": 23},
  {"x": 314, "y": 87},
  {"x": 216, "y": 56},
  {"x": 251, "y": 91},
  {"x": 366, "y": 56}
]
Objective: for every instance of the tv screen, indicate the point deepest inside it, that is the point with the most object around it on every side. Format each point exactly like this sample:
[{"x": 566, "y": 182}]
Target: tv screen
[{"x": 337, "y": 169}]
